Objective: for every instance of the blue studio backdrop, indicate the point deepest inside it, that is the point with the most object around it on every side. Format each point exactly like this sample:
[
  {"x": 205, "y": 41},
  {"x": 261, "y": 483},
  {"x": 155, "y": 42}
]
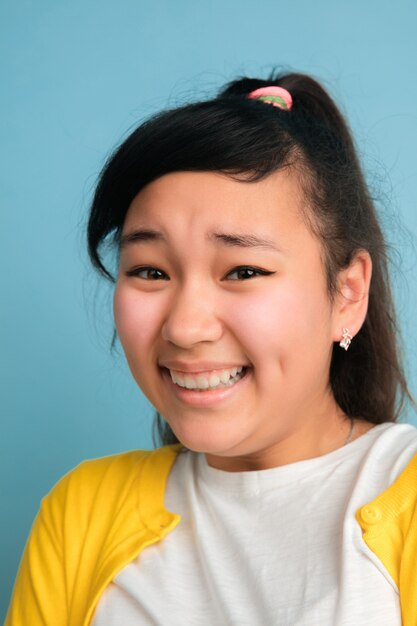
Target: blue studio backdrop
[{"x": 76, "y": 77}]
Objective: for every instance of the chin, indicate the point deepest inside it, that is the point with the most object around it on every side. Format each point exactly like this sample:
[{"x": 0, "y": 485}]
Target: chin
[{"x": 207, "y": 440}]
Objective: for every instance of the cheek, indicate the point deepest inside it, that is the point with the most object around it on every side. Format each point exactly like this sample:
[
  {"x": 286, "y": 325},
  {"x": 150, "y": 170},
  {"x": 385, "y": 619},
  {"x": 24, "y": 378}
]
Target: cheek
[
  {"x": 135, "y": 319},
  {"x": 283, "y": 323}
]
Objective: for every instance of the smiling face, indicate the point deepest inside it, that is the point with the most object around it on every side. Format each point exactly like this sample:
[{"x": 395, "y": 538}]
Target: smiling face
[{"x": 222, "y": 309}]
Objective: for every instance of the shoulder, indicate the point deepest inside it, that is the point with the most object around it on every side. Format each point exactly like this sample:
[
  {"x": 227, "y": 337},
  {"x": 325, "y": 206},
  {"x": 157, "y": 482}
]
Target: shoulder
[
  {"x": 93, "y": 518},
  {"x": 387, "y": 452},
  {"x": 392, "y": 446},
  {"x": 392, "y": 464},
  {"x": 389, "y": 521},
  {"x": 108, "y": 483}
]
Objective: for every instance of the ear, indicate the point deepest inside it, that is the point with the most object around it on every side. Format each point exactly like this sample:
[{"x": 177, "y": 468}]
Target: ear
[{"x": 351, "y": 302}]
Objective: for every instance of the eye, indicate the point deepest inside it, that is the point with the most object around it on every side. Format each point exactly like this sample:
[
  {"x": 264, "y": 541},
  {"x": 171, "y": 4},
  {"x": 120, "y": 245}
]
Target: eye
[
  {"x": 147, "y": 273},
  {"x": 245, "y": 273}
]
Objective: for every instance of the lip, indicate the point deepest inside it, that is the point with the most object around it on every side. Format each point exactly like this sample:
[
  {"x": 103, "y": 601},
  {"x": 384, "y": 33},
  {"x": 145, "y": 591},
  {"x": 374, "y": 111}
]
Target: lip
[
  {"x": 204, "y": 398},
  {"x": 199, "y": 368}
]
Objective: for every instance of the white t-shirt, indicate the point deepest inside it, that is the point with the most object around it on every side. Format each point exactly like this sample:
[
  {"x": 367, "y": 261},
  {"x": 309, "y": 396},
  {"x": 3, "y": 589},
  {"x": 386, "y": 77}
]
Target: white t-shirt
[{"x": 273, "y": 547}]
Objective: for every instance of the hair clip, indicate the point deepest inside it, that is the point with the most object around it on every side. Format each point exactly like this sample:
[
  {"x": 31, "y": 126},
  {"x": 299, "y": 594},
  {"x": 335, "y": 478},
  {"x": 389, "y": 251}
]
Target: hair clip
[{"x": 277, "y": 96}]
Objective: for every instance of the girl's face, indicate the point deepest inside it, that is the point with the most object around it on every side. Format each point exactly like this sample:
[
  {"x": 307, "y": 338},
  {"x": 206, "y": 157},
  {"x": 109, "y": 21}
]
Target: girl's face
[{"x": 222, "y": 309}]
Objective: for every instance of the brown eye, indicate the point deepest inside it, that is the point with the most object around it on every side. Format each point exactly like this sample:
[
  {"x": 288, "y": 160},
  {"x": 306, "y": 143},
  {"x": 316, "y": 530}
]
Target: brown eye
[
  {"x": 245, "y": 273},
  {"x": 148, "y": 273}
]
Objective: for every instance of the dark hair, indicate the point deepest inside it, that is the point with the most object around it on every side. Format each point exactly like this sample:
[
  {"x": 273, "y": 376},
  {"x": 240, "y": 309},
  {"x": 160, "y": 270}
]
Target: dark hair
[{"x": 249, "y": 139}]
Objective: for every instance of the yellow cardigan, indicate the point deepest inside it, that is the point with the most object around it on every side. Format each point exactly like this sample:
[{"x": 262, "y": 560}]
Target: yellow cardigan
[{"x": 100, "y": 516}]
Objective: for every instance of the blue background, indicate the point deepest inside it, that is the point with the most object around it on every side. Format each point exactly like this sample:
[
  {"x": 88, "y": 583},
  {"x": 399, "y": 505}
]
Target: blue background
[{"x": 76, "y": 76}]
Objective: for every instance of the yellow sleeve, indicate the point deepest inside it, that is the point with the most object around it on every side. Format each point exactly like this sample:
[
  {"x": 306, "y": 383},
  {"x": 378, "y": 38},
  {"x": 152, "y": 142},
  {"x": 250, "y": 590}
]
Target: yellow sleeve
[
  {"x": 88, "y": 527},
  {"x": 389, "y": 525},
  {"x": 39, "y": 595}
]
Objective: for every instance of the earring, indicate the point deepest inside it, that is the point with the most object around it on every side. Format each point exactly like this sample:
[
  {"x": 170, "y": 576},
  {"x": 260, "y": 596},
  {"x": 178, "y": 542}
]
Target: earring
[{"x": 346, "y": 339}]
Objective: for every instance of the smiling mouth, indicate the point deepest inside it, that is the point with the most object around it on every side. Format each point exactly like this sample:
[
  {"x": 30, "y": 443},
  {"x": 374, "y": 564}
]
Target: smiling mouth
[{"x": 208, "y": 381}]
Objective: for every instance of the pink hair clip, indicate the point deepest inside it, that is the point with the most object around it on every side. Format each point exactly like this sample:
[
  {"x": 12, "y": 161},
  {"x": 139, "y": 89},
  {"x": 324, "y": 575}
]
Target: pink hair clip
[{"x": 277, "y": 96}]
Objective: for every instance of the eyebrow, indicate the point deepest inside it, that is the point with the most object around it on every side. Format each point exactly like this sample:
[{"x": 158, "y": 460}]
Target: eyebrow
[
  {"x": 141, "y": 234},
  {"x": 242, "y": 240},
  {"x": 239, "y": 240}
]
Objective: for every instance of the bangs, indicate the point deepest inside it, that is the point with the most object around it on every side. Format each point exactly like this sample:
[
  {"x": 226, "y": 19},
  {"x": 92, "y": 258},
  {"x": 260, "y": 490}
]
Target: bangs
[{"x": 231, "y": 135}]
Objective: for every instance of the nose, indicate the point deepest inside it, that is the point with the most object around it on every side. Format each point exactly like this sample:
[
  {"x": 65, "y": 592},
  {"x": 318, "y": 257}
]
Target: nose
[{"x": 192, "y": 318}]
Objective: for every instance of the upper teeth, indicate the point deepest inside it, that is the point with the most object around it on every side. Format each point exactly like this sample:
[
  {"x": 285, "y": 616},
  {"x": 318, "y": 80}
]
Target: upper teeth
[{"x": 207, "y": 380}]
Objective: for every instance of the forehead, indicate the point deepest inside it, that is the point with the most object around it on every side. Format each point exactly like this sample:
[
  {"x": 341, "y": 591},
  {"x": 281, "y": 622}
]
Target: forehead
[{"x": 204, "y": 200}]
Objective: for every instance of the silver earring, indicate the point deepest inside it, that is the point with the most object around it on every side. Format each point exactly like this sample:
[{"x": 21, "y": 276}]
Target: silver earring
[{"x": 346, "y": 339}]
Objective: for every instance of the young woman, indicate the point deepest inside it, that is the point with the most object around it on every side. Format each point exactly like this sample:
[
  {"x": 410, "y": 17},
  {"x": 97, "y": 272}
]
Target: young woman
[{"x": 253, "y": 304}]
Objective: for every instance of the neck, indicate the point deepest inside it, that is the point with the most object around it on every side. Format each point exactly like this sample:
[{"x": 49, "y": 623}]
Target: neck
[{"x": 319, "y": 434}]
